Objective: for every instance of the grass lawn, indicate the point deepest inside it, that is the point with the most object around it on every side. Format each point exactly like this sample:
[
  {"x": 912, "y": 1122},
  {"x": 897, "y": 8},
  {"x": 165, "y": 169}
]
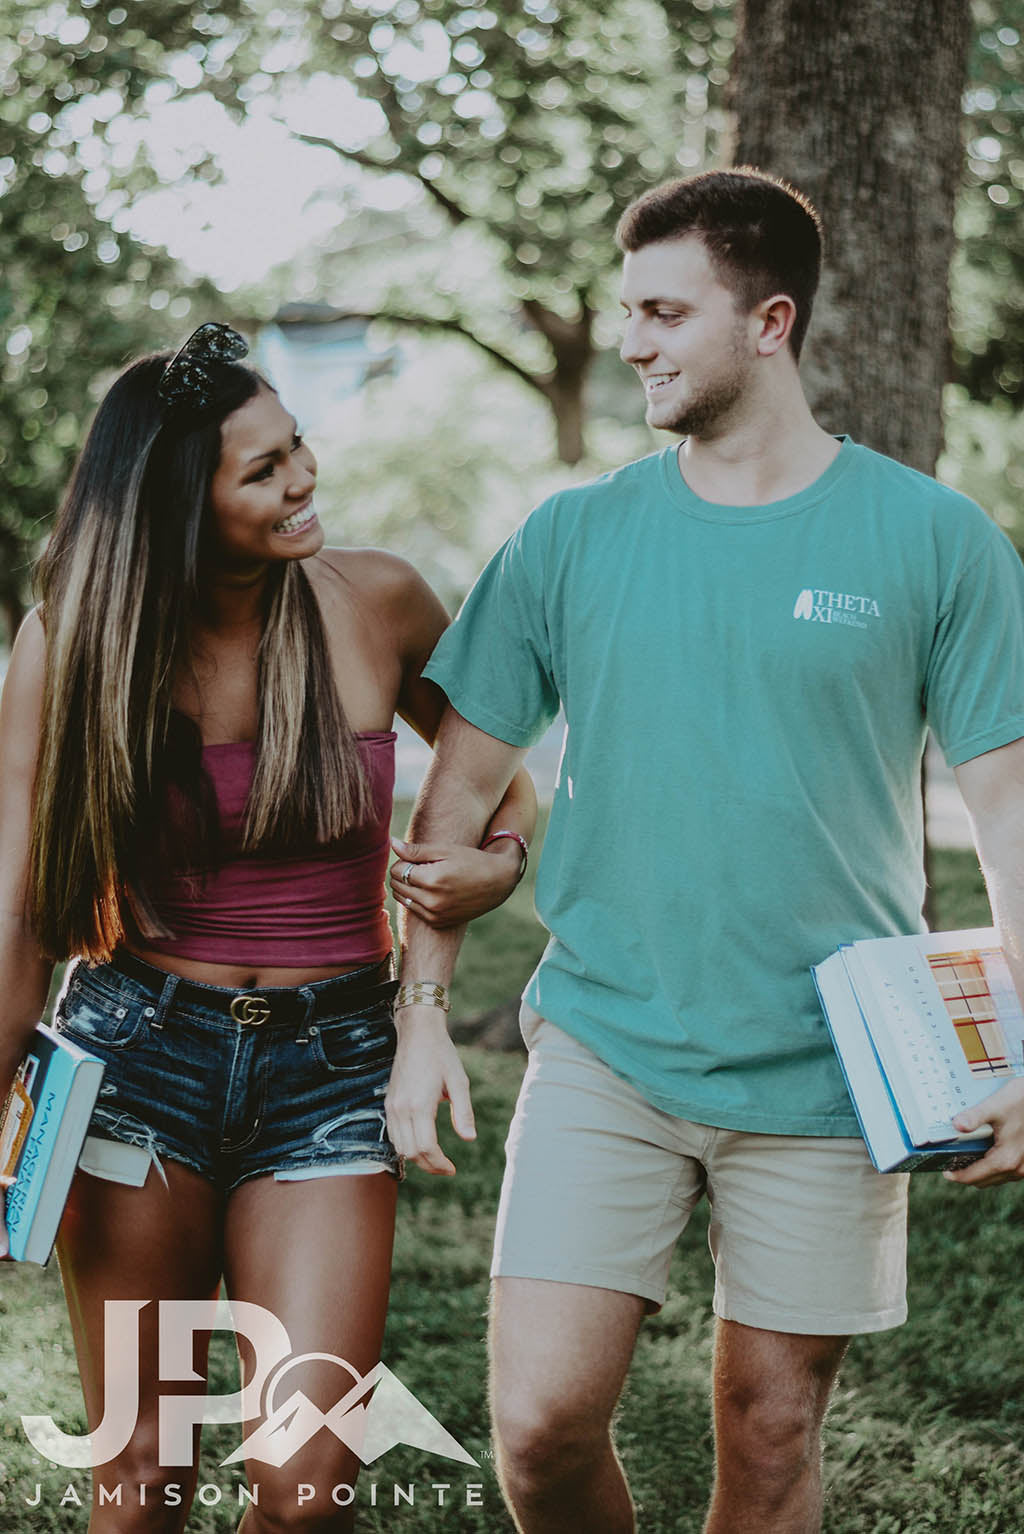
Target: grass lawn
[{"x": 923, "y": 1434}]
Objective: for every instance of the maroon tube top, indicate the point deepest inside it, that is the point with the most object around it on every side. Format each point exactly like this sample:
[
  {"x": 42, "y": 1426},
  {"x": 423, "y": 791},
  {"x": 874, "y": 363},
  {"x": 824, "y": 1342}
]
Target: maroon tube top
[{"x": 325, "y": 907}]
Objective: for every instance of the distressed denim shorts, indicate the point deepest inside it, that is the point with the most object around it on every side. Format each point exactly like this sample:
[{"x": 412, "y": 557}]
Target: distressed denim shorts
[{"x": 285, "y": 1081}]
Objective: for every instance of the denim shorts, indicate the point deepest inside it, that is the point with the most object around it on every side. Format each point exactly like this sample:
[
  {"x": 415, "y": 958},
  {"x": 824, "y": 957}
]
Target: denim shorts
[{"x": 284, "y": 1081}]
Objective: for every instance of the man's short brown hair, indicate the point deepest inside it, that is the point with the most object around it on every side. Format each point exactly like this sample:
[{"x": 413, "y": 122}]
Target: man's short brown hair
[{"x": 762, "y": 235}]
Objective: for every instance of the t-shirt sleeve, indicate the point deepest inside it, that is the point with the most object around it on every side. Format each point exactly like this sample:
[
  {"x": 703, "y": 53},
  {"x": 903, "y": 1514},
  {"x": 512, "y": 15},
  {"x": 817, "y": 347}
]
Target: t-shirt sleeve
[
  {"x": 495, "y": 661},
  {"x": 974, "y": 687}
]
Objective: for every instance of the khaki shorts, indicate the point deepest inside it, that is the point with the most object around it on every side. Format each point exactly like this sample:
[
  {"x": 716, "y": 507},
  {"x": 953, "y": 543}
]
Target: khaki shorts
[{"x": 807, "y": 1237}]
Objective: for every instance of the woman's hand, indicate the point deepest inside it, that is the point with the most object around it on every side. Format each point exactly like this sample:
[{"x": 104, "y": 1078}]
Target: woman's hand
[
  {"x": 446, "y": 886},
  {"x": 427, "y": 1071}
]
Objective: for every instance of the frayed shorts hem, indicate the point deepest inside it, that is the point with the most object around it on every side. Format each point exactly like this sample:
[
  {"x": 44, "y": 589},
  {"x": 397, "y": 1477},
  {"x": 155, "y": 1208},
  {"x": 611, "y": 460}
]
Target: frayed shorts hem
[{"x": 129, "y": 1163}]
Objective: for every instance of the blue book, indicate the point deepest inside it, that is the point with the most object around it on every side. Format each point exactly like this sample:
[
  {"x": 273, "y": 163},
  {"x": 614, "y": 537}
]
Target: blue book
[
  {"x": 41, "y": 1137},
  {"x": 924, "y": 1027}
]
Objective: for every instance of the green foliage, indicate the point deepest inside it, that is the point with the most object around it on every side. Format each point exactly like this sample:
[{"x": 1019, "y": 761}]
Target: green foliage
[
  {"x": 78, "y": 295},
  {"x": 537, "y": 121},
  {"x": 984, "y": 456},
  {"x": 988, "y": 276},
  {"x": 958, "y": 891},
  {"x": 520, "y": 129},
  {"x": 526, "y": 128}
]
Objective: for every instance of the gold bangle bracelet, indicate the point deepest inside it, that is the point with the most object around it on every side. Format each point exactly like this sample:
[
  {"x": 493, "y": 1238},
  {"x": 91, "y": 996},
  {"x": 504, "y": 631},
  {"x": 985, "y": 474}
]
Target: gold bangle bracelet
[{"x": 423, "y": 993}]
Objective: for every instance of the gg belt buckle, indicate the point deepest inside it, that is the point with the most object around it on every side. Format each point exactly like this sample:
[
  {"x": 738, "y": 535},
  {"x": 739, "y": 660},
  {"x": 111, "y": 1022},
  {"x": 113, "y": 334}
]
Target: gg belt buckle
[{"x": 251, "y": 1009}]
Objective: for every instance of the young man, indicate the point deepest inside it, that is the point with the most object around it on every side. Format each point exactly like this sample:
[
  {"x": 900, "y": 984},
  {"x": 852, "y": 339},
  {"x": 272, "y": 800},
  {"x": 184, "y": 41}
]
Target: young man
[{"x": 748, "y": 634}]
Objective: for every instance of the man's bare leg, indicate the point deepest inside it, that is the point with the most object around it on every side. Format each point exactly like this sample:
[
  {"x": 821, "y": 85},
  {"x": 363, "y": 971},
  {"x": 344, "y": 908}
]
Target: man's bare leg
[
  {"x": 771, "y": 1393},
  {"x": 559, "y": 1356}
]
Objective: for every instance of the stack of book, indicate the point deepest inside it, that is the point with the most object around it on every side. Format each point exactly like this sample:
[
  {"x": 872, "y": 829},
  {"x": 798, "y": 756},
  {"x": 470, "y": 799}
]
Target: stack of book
[
  {"x": 924, "y": 1027},
  {"x": 41, "y": 1137}
]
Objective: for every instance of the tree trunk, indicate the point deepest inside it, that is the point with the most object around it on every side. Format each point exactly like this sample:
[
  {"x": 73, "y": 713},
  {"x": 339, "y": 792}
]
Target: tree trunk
[
  {"x": 858, "y": 104},
  {"x": 565, "y": 395},
  {"x": 572, "y": 345}
]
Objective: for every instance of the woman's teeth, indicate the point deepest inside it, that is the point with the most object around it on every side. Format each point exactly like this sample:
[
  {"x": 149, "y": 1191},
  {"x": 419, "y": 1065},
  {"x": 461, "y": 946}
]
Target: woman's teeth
[{"x": 296, "y": 520}]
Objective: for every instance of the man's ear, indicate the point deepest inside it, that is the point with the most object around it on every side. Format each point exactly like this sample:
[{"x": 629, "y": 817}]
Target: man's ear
[{"x": 776, "y": 317}]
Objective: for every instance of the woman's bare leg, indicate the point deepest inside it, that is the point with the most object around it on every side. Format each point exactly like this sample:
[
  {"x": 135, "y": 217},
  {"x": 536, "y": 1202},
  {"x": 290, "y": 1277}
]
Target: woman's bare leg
[
  {"x": 158, "y": 1242},
  {"x": 317, "y": 1254}
]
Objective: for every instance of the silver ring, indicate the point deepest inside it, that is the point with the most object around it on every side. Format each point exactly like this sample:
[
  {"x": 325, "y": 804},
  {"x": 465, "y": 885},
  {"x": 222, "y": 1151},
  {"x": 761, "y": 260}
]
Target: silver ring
[{"x": 407, "y": 875}]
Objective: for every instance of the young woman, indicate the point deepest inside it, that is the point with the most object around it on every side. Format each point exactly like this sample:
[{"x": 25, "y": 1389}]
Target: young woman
[{"x": 196, "y": 771}]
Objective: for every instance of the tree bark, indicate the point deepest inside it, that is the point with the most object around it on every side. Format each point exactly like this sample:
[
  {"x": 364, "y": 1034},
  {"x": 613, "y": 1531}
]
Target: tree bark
[
  {"x": 572, "y": 346},
  {"x": 858, "y": 104}
]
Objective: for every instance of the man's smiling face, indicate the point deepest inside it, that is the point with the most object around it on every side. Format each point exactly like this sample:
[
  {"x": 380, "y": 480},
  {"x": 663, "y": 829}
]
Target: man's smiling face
[{"x": 691, "y": 346}]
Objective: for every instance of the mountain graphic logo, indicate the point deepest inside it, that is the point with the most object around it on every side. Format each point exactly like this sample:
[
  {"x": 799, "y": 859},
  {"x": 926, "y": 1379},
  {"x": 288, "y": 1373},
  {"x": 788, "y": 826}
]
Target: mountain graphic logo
[
  {"x": 375, "y": 1414},
  {"x": 804, "y": 604}
]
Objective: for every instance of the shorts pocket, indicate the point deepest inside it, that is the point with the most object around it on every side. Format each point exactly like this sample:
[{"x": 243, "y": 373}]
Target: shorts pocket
[
  {"x": 355, "y": 1045},
  {"x": 89, "y": 1016}
]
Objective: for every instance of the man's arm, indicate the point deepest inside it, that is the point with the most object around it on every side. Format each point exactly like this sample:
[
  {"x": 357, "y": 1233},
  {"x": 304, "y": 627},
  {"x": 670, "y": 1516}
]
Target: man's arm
[
  {"x": 993, "y": 789},
  {"x": 466, "y": 780},
  {"x": 450, "y": 885}
]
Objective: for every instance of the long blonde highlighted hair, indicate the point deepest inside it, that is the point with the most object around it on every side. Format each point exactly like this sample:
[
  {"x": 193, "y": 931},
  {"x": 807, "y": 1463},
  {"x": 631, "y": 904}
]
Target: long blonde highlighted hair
[{"x": 119, "y": 586}]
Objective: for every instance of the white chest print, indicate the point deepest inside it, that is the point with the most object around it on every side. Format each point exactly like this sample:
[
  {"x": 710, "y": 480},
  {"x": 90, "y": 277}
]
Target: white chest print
[{"x": 819, "y": 606}]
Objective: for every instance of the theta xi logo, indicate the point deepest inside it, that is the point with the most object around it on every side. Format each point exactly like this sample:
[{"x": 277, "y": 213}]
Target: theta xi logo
[
  {"x": 819, "y": 606},
  {"x": 373, "y": 1413}
]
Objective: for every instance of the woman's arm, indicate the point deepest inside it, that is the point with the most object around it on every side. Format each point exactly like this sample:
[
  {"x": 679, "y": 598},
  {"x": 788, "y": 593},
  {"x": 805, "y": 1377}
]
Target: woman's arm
[
  {"x": 452, "y": 884},
  {"x": 24, "y": 973},
  {"x": 446, "y": 885}
]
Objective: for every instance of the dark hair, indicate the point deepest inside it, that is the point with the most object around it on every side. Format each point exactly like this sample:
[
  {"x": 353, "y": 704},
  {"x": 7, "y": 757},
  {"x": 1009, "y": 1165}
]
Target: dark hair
[
  {"x": 762, "y": 235},
  {"x": 120, "y": 590}
]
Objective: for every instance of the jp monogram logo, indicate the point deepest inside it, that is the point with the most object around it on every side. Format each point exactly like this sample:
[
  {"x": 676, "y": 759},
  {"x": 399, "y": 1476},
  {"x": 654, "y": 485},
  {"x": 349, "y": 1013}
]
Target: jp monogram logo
[
  {"x": 250, "y": 1009},
  {"x": 374, "y": 1412}
]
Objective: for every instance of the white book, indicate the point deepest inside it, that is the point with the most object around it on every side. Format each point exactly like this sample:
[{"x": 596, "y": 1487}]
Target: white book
[{"x": 924, "y": 1027}]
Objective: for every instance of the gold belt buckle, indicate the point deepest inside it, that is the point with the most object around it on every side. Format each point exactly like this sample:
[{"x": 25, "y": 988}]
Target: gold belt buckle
[{"x": 251, "y": 1009}]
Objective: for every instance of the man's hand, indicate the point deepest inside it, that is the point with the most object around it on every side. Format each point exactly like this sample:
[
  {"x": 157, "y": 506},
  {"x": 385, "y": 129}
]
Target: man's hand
[
  {"x": 1004, "y": 1110},
  {"x": 446, "y": 885},
  {"x": 426, "y": 1070}
]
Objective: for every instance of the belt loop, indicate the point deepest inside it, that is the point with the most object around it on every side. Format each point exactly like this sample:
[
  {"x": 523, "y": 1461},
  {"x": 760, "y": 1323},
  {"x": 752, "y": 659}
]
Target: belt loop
[
  {"x": 309, "y": 999},
  {"x": 164, "y": 1004}
]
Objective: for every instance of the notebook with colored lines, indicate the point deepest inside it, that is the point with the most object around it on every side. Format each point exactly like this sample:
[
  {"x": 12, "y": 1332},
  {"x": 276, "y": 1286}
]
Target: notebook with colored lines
[{"x": 924, "y": 1026}]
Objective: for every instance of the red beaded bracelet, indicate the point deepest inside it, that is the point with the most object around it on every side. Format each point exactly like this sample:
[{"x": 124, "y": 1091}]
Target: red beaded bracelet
[{"x": 512, "y": 836}]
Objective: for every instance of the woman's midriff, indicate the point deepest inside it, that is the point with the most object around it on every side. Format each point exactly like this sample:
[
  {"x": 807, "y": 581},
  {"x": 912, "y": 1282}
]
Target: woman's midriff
[{"x": 241, "y": 977}]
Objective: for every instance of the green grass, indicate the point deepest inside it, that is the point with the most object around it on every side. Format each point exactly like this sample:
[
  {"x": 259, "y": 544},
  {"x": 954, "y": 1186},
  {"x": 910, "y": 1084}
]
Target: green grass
[{"x": 924, "y": 1434}]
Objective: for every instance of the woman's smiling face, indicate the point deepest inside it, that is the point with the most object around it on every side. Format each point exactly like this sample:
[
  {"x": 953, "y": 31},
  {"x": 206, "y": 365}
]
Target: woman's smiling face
[{"x": 261, "y": 495}]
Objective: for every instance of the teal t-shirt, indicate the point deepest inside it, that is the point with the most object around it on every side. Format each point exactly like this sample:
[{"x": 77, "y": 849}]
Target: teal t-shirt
[{"x": 746, "y": 691}]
